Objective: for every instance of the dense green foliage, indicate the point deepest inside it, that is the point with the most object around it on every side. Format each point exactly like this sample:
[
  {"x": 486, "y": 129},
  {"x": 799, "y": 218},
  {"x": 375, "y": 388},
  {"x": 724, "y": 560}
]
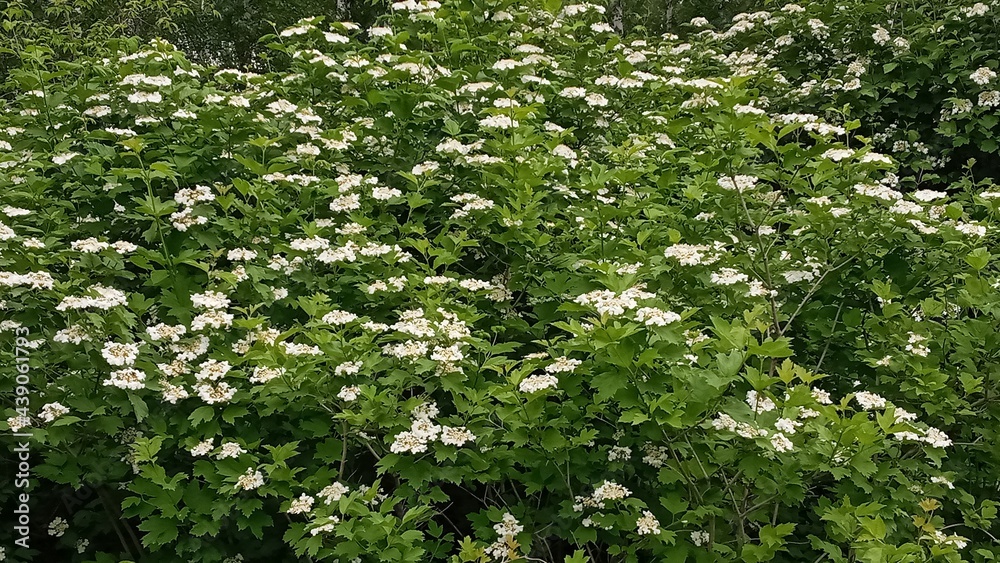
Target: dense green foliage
[
  {"x": 493, "y": 282},
  {"x": 226, "y": 32},
  {"x": 214, "y": 32}
]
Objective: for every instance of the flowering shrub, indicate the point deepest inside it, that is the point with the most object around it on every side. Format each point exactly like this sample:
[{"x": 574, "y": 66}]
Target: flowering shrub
[
  {"x": 921, "y": 79},
  {"x": 486, "y": 283}
]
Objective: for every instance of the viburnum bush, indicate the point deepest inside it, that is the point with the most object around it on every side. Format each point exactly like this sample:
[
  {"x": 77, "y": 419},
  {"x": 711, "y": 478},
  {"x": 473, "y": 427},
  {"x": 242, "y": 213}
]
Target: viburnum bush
[
  {"x": 487, "y": 282},
  {"x": 921, "y": 77}
]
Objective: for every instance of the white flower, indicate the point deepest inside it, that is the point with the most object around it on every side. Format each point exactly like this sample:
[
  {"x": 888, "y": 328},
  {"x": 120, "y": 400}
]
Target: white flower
[
  {"x": 928, "y": 195},
  {"x": 971, "y": 229},
  {"x": 915, "y": 345},
  {"x": 52, "y": 411},
  {"x": 656, "y": 317},
  {"x": 58, "y": 527},
  {"x": 63, "y": 158},
  {"x": 241, "y": 254},
  {"x": 869, "y": 401},
  {"x": 212, "y": 370},
  {"x": 408, "y": 442},
  {"x": 456, "y": 436},
  {"x": 230, "y": 449},
  {"x": 119, "y": 354},
  {"x": 212, "y": 394},
  {"x": 983, "y": 76},
  {"x": 425, "y": 168},
  {"x": 333, "y": 493},
  {"x": 781, "y": 443},
  {"x": 166, "y": 332},
  {"x": 347, "y": 202},
  {"x": 647, "y": 524},
  {"x": 145, "y": 97},
  {"x": 281, "y": 106},
  {"x": 307, "y": 149},
  {"x": 262, "y": 374},
  {"x": 936, "y": 438},
  {"x": 250, "y": 480},
  {"x": 978, "y": 9},
  {"x": 739, "y": 183},
  {"x": 498, "y": 122},
  {"x": 881, "y": 35},
  {"x": 724, "y": 422},
  {"x": 172, "y": 393},
  {"x": 728, "y": 276},
  {"x": 349, "y": 392},
  {"x": 203, "y": 447},
  {"x": 337, "y": 317},
  {"x": 596, "y": 100},
  {"x": 538, "y": 382},
  {"x": 786, "y": 425},
  {"x": 96, "y": 111},
  {"x": 822, "y": 397},
  {"x": 794, "y": 276},
  {"x": 348, "y": 368},
  {"x": 759, "y": 403},
  {"x": 563, "y": 365},
  {"x": 128, "y": 378},
  {"x": 17, "y": 423},
  {"x": 941, "y": 480},
  {"x": 690, "y": 254},
  {"x": 383, "y": 193},
  {"x": 210, "y": 300},
  {"x": 610, "y": 490},
  {"x": 302, "y": 504},
  {"x": 837, "y": 155}
]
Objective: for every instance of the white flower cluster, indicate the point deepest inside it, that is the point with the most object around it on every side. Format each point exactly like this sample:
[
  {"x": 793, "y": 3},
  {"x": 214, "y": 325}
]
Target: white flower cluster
[
  {"x": 58, "y": 527},
  {"x": 301, "y": 505},
  {"x": 470, "y": 203},
  {"x": 695, "y": 254},
  {"x": 127, "y": 378},
  {"x": 93, "y": 246},
  {"x": 118, "y": 354},
  {"x": 34, "y": 280},
  {"x": 538, "y": 382},
  {"x": 250, "y": 480},
  {"x": 99, "y": 297},
  {"x": 915, "y": 345},
  {"x": 505, "y": 547},
  {"x": 423, "y": 430},
  {"x": 18, "y": 423},
  {"x": 739, "y": 182},
  {"x": 333, "y": 493},
  {"x": 647, "y": 524},
  {"x": 609, "y": 491},
  {"x": 609, "y": 303},
  {"x": 440, "y": 339},
  {"x": 188, "y": 198},
  {"x": 52, "y": 411},
  {"x": 983, "y": 76}
]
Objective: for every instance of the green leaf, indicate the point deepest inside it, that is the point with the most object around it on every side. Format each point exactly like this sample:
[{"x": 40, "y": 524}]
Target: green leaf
[
  {"x": 201, "y": 414},
  {"x": 978, "y": 258},
  {"x": 730, "y": 364},
  {"x": 771, "y": 348},
  {"x": 139, "y": 406},
  {"x": 159, "y": 531}
]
